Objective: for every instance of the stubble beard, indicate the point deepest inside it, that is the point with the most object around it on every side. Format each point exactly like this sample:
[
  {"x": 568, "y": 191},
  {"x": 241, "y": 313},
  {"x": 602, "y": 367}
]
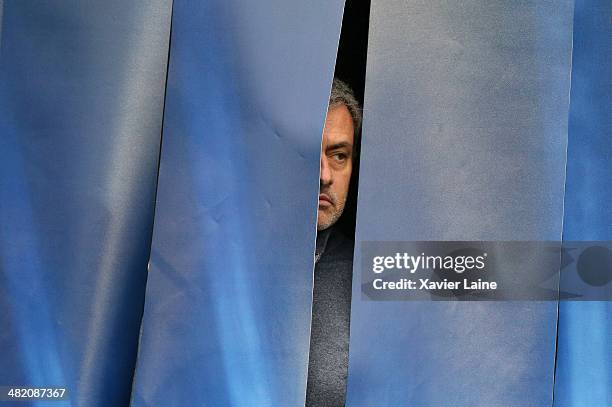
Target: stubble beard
[{"x": 336, "y": 207}]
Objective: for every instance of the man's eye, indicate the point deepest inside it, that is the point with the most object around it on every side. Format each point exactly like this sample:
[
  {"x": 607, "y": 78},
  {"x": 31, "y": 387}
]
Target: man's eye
[{"x": 340, "y": 156}]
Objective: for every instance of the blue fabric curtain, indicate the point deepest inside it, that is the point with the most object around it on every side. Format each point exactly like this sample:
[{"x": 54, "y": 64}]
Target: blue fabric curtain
[
  {"x": 81, "y": 103},
  {"x": 464, "y": 138},
  {"x": 227, "y": 316},
  {"x": 585, "y": 328},
  {"x": 194, "y": 288}
]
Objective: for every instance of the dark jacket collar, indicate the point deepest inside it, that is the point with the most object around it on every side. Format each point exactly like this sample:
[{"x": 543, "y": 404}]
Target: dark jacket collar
[{"x": 322, "y": 238}]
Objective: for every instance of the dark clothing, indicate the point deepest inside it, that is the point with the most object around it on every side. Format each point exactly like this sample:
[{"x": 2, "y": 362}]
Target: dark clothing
[{"x": 331, "y": 310}]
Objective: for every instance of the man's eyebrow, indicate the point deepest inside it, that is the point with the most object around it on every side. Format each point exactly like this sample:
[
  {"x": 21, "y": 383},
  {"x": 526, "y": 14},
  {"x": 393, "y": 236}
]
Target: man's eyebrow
[{"x": 339, "y": 146}]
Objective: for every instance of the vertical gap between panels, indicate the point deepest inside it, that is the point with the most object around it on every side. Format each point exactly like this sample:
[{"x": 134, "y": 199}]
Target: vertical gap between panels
[
  {"x": 150, "y": 239},
  {"x": 350, "y": 68},
  {"x": 561, "y": 252}
]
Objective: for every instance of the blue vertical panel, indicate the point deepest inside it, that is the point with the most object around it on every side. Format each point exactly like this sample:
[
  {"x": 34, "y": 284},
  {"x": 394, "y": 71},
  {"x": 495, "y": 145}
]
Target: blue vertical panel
[
  {"x": 584, "y": 375},
  {"x": 81, "y": 96},
  {"x": 464, "y": 138},
  {"x": 227, "y": 314}
]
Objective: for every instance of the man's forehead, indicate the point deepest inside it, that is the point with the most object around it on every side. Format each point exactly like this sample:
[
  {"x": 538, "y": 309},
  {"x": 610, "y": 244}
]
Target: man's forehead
[
  {"x": 338, "y": 126},
  {"x": 338, "y": 139}
]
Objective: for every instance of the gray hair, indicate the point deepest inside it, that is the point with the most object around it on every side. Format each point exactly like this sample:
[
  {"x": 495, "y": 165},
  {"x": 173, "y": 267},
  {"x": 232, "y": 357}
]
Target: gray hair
[{"x": 342, "y": 94}]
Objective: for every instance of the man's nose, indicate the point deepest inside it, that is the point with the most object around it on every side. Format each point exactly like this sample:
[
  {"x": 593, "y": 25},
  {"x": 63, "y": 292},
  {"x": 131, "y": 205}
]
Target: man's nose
[{"x": 326, "y": 175}]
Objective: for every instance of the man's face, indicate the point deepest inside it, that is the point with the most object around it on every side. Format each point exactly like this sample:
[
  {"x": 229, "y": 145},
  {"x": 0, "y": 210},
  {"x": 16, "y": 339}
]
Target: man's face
[{"x": 336, "y": 165}]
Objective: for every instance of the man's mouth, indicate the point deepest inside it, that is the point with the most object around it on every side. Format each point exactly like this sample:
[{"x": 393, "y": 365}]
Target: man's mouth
[{"x": 324, "y": 200}]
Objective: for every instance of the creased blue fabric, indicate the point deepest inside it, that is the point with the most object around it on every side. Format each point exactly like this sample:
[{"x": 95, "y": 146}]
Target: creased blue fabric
[
  {"x": 227, "y": 315},
  {"x": 81, "y": 96},
  {"x": 464, "y": 138}
]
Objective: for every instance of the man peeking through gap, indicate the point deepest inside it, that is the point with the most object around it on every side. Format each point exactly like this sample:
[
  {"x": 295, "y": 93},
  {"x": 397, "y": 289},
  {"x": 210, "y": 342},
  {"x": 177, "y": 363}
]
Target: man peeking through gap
[{"x": 331, "y": 307}]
